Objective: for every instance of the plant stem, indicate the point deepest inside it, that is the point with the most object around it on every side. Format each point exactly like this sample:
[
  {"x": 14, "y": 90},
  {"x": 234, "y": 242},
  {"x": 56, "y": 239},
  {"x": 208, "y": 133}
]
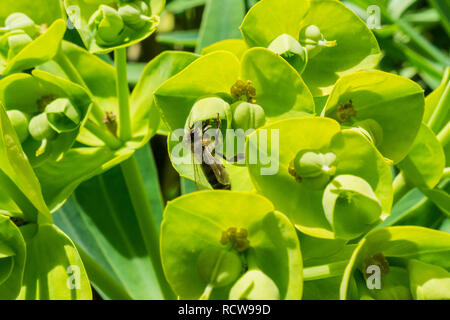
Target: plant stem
[
  {"x": 142, "y": 208},
  {"x": 123, "y": 94},
  {"x": 133, "y": 178},
  {"x": 439, "y": 115},
  {"x": 400, "y": 187},
  {"x": 111, "y": 141},
  {"x": 72, "y": 73},
  {"x": 324, "y": 271}
]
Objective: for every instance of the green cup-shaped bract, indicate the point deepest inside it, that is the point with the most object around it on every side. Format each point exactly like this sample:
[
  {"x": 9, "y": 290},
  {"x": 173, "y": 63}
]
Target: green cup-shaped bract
[
  {"x": 210, "y": 108},
  {"x": 371, "y": 130},
  {"x": 401, "y": 246},
  {"x": 62, "y": 115},
  {"x": 20, "y": 21},
  {"x": 135, "y": 15},
  {"x": 291, "y": 50},
  {"x": 17, "y": 42},
  {"x": 355, "y": 47},
  {"x": 314, "y": 169},
  {"x": 276, "y": 146},
  {"x": 350, "y": 206},
  {"x": 272, "y": 243},
  {"x": 20, "y": 122},
  {"x": 108, "y": 25},
  {"x": 219, "y": 267},
  {"x": 254, "y": 285},
  {"x": 394, "y": 286},
  {"x": 427, "y": 281},
  {"x": 388, "y": 107},
  {"x": 248, "y": 116}
]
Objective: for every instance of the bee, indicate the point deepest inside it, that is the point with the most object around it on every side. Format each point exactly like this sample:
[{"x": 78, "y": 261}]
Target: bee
[{"x": 212, "y": 168}]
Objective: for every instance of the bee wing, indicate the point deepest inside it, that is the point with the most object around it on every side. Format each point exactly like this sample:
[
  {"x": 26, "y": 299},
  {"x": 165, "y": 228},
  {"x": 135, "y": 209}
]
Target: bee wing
[
  {"x": 217, "y": 167},
  {"x": 196, "y": 173}
]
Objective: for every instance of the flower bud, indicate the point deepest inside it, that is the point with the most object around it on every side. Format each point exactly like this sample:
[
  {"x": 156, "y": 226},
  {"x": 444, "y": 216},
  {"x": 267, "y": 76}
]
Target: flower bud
[
  {"x": 254, "y": 285},
  {"x": 313, "y": 169},
  {"x": 19, "y": 121},
  {"x": 248, "y": 115},
  {"x": 109, "y": 25},
  {"x": 209, "y": 108},
  {"x": 62, "y": 115},
  {"x": 219, "y": 267},
  {"x": 314, "y": 40},
  {"x": 40, "y": 129},
  {"x": 135, "y": 15},
  {"x": 427, "y": 281},
  {"x": 17, "y": 42},
  {"x": 20, "y": 21},
  {"x": 291, "y": 50},
  {"x": 370, "y": 129},
  {"x": 351, "y": 206}
]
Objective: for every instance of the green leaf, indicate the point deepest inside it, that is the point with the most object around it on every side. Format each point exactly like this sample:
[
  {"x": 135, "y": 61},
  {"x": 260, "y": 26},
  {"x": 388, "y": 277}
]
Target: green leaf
[
  {"x": 53, "y": 270},
  {"x": 271, "y": 237},
  {"x": 221, "y": 20},
  {"x": 81, "y": 12},
  {"x": 425, "y": 162},
  {"x": 12, "y": 259},
  {"x": 270, "y": 170},
  {"x": 395, "y": 103},
  {"x": 107, "y": 231},
  {"x": 427, "y": 245},
  {"x": 39, "y": 51}
]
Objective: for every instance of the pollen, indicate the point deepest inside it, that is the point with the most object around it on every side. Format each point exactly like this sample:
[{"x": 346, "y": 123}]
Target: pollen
[
  {"x": 238, "y": 238},
  {"x": 346, "y": 112}
]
